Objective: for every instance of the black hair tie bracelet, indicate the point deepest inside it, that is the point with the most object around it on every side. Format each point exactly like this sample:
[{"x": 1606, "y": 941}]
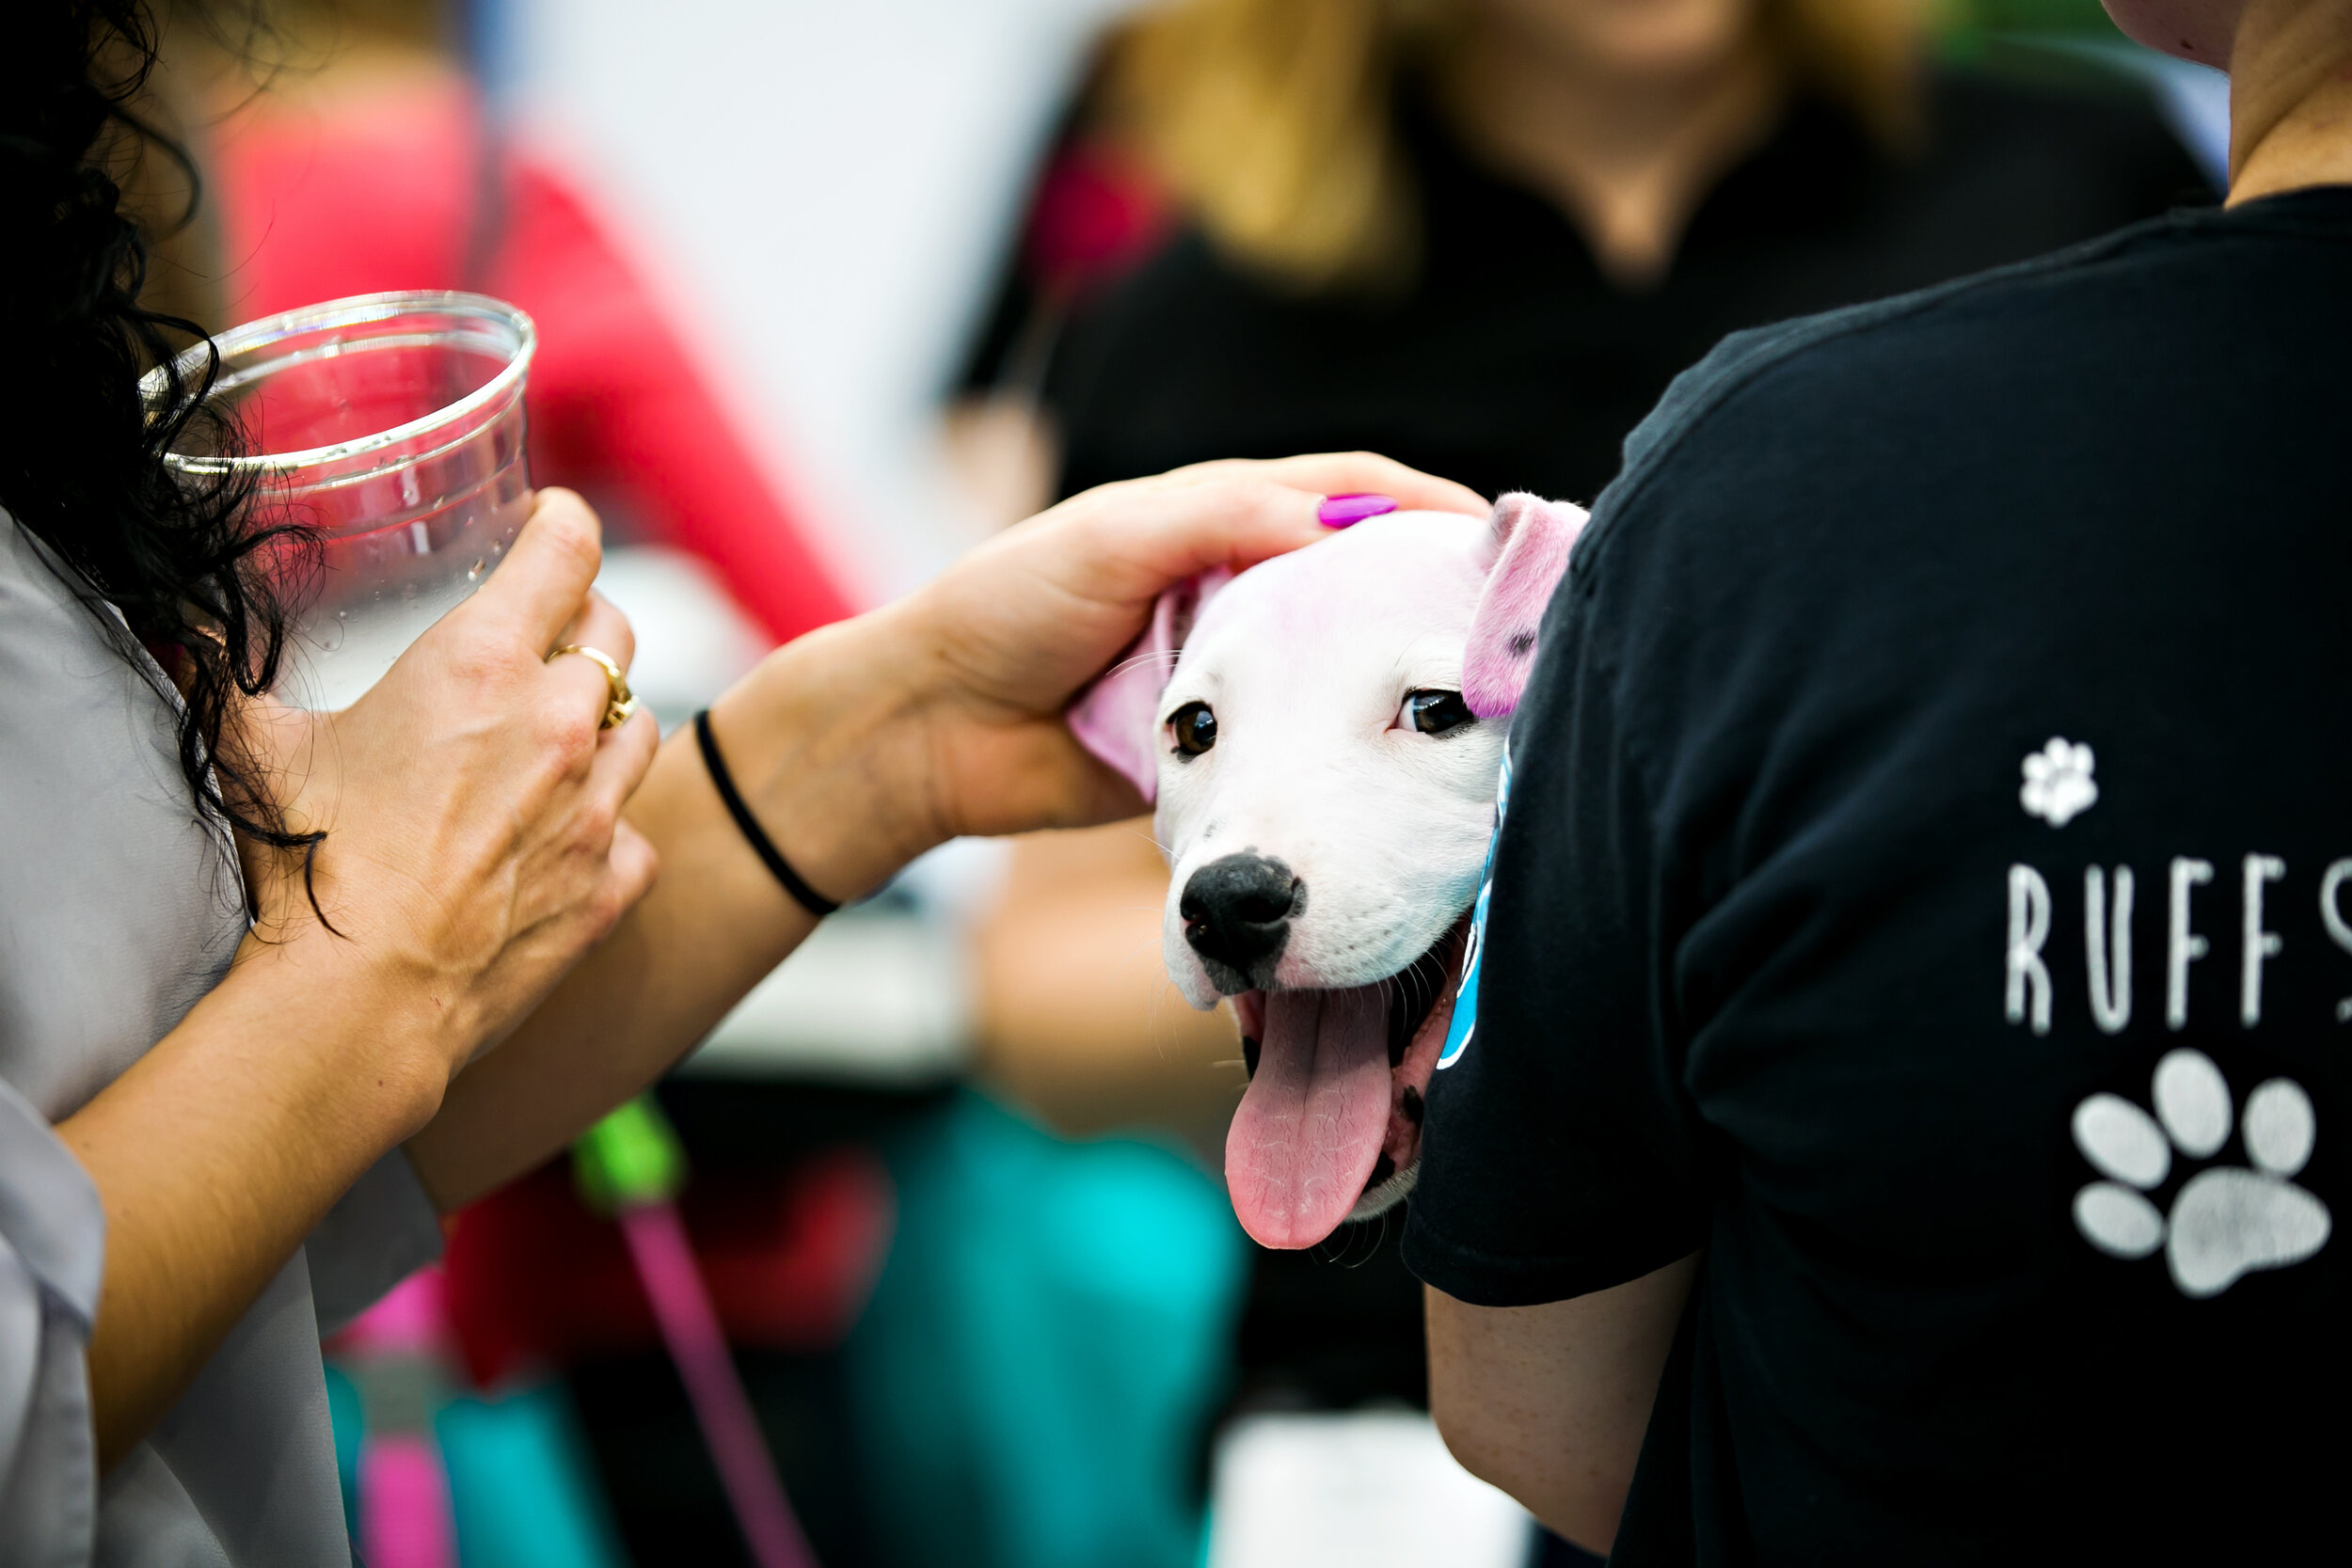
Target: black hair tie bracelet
[{"x": 806, "y": 896}]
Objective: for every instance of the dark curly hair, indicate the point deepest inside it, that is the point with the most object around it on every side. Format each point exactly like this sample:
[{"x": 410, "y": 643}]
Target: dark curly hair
[{"x": 81, "y": 454}]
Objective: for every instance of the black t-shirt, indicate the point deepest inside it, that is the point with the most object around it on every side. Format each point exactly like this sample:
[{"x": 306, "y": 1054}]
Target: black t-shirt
[
  {"x": 1513, "y": 363},
  {"x": 1909, "y": 637}
]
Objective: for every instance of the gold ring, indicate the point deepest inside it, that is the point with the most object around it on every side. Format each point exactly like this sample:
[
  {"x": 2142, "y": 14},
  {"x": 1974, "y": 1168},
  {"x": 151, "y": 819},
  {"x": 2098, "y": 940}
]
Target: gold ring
[{"x": 620, "y": 702}]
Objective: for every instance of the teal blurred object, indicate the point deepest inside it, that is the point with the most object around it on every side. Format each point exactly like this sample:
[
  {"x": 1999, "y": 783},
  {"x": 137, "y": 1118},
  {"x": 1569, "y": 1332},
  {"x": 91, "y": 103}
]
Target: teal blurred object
[
  {"x": 1050, "y": 1335},
  {"x": 342, "y": 1412},
  {"x": 521, "y": 1485}
]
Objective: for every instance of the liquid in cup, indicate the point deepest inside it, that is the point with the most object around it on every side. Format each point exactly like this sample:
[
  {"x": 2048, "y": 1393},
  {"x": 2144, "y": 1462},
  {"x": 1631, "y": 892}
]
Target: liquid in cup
[{"x": 390, "y": 426}]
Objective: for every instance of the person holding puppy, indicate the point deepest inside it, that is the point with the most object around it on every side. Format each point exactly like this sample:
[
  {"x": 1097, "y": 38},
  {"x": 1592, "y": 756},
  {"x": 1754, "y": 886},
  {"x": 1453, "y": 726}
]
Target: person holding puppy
[
  {"x": 1894, "y": 1115},
  {"x": 278, "y": 988}
]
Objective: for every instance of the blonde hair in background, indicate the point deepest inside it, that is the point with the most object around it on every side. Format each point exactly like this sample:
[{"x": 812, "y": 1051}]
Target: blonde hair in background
[{"x": 1272, "y": 121}]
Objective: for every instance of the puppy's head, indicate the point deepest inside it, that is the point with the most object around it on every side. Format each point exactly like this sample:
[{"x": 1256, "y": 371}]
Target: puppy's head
[{"x": 1321, "y": 735}]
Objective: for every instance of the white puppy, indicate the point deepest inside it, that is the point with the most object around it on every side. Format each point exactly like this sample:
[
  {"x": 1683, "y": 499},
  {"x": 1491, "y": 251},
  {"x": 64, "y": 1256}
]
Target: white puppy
[{"x": 1321, "y": 735}]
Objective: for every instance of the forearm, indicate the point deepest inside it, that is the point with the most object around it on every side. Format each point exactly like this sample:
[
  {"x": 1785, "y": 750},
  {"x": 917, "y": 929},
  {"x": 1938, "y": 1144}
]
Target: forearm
[
  {"x": 1551, "y": 1403},
  {"x": 1074, "y": 1013},
  {"x": 221, "y": 1149},
  {"x": 802, "y": 737}
]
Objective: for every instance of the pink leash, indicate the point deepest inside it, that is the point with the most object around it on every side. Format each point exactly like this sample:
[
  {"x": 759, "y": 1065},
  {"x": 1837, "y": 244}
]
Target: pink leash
[
  {"x": 403, "y": 1504},
  {"x": 689, "y": 1327},
  {"x": 395, "y": 1350}
]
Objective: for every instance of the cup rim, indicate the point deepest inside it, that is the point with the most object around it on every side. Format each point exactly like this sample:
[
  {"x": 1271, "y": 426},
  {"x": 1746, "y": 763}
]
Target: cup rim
[{"x": 352, "y": 311}]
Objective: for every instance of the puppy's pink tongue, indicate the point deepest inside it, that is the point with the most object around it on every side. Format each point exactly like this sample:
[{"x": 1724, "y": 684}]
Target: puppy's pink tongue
[{"x": 1309, "y": 1129}]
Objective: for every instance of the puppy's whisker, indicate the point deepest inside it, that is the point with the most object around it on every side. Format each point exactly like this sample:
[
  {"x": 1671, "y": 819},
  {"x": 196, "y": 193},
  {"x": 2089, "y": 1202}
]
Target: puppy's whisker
[
  {"x": 1130, "y": 662},
  {"x": 1166, "y": 852}
]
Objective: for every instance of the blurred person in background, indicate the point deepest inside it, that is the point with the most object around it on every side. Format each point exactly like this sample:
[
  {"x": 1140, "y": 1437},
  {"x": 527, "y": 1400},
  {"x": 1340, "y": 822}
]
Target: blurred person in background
[{"x": 1483, "y": 235}]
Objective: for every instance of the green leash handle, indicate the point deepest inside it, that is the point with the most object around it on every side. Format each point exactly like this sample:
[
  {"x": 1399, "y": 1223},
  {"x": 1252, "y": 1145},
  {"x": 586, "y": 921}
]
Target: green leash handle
[{"x": 629, "y": 1159}]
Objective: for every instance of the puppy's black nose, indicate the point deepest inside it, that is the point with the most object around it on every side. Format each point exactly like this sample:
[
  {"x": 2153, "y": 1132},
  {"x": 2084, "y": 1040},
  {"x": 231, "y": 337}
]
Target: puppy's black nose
[{"x": 1237, "y": 910}]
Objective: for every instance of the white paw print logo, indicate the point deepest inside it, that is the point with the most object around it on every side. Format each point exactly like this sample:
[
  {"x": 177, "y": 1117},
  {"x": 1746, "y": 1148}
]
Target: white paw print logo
[
  {"x": 2058, "y": 786},
  {"x": 2226, "y": 1220}
]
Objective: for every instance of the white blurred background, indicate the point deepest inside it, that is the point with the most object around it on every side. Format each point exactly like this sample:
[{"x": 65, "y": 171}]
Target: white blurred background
[{"x": 821, "y": 192}]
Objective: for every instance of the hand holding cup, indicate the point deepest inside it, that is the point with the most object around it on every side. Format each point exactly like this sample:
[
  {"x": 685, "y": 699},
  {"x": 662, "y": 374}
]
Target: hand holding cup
[{"x": 471, "y": 800}]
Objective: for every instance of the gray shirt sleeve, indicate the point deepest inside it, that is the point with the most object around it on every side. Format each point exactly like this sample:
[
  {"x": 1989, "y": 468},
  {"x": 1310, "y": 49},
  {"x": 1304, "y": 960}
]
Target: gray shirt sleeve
[
  {"x": 377, "y": 1234},
  {"x": 120, "y": 906},
  {"x": 53, "y": 1243}
]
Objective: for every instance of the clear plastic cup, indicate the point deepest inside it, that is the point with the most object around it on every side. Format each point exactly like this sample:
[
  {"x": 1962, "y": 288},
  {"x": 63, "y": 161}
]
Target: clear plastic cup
[{"x": 392, "y": 426}]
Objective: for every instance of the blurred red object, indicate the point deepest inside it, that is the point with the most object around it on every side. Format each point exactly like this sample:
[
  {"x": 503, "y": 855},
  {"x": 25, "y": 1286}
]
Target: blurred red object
[
  {"x": 396, "y": 186},
  {"x": 535, "y": 1279},
  {"x": 1095, "y": 213}
]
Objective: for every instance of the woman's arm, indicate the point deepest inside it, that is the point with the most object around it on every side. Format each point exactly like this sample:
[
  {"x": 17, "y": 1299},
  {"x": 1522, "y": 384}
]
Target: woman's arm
[
  {"x": 1073, "y": 1014},
  {"x": 1549, "y": 1402},
  {"x": 225, "y": 1145},
  {"x": 858, "y": 747},
  {"x": 473, "y": 852}
]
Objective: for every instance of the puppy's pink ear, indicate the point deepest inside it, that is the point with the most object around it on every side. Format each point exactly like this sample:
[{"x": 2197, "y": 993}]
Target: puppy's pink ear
[
  {"x": 1118, "y": 718},
  {"x": 1529, "y": 550}
]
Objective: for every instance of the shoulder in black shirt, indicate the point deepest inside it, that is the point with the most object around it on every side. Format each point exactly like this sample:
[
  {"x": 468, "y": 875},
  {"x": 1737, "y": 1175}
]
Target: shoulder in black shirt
[{"x": 1923, "y": 888}]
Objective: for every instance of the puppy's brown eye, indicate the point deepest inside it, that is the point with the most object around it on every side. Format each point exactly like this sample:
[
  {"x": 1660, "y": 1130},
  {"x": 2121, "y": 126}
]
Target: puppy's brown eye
[
  {"x": 1195, "y": 727},
  {"x": 1437, "y": 712}
]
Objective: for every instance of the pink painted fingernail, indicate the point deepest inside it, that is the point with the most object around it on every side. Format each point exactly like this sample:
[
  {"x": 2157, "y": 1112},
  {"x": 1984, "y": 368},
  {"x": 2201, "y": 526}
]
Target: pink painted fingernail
[{"x": 1347, "y": 510}]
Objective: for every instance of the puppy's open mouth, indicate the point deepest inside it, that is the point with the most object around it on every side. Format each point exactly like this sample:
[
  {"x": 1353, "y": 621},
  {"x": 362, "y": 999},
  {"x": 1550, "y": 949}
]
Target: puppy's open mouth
[{"x": 1330, "y": 1127}]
